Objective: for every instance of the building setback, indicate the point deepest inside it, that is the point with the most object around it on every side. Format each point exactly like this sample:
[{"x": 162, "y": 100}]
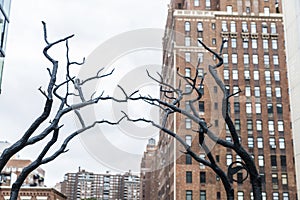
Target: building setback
[
  {"x": 83, "y": 185},
  {"x": 254, "y": 61}
]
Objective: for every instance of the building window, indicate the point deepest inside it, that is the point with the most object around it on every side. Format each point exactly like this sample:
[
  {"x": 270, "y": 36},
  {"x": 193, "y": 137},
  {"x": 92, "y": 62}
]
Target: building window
[
  {"x": 234, "y": 58},
  {"x": 187, "y": 57},
  {"x": 253, "y": 27},
  {"x": 187, "y": 26},
  {"x": 285, "y": 196},
  {"x": 268, "y": 91},
  {"x": 187, "y": 41},
  {"x": 275, "y": 196},
  {"x": 256, "y": 75},
  {"x": 236, "y": 107},
  {"x": 250, "y": 142},
  {"x": 189, "y": 177},
  {"x": 261, "y": 161},
  {"x": 235, "y": 74},
  {"x": 233, "y": 42},
  {"x": 275, "y": 60},
  {"x": 273, "y": 161},
  {"x": 232, "y": 26},
  {"x": 279, "y": 108},
  {"x": 244, "y": 27},
  {"x": 254, "y": 43},
  {"x": 188, "y": 140},
  {"x": 218, "y": 195},
  {"x": 274, "y": 44},
  {"x": 258, "y": 125},
  {"x": 207, "y": 4},
  {"x": 247, "y": 91},
  {"x": 265, "y": 44},
  {"x": 240, "y": 195},
  {"x": 268, "y": 77},
  {"x": 248, "y": 108},
  {"x": 260, "y": 143},
  {"x": 214, "y": 41},
  {"x": 187, "y": 72},
  {"x": 257, "y": 108},
  {"x": 247, "y": 74},
  {"x": 275, "y": 182},
  {"x": 189, "y": 195},
  {"x": 201, "y": 106},
  {"x": 249, "y": 125},
  {"x": 200, "y": 57},
  {"x": 283, "y": 161},
  {"x": 200, "y": 26},
  {"x": 188, "y": 88},
  {"x": 202, "y": 195},
  {"x": 224, "y": 26},
  {"x": 257, "y": 91},
  {"x": 264, "y": 195},
  {"x": 237, "y": 124},
  {"x": 284, "y": 179},
  {"x": 277, "y": 92},
  {"x": 202, "y": 156},
  {"x": 200, "y": 39},
  {"x": 246, "y": 59},
  {"x": 270, "y": 108},
  {"x": 255, "y": 59},
  {"x": 226, "y": 74},
  {"x": 200, "y": 72},
  {"x": 276, "y": 75},
  {"x": 280, "y": 126},
  {"x": 266, "y": 60},
  {"x": 245, "y": 44},
  {"x": 229, "y": 9},
  {"x": 225, "y": 58},
  {"x": 271, "y": 127},
  {"x": 267, "y": 11},
  {"x": 272, "y": 143},
  {"x": 273, "y": 28},
  {"x": 228, "y": 159},
  {"x": 235, "y": 90},
  {"x": 248, "y": 10},
  {"x": 281, "y": 143},
  {"x": 196, "y": 2},
  {"x": 264, "y": 27},
  {"x": 202, "y": 177},
  {"x": 188, "y": 159}
]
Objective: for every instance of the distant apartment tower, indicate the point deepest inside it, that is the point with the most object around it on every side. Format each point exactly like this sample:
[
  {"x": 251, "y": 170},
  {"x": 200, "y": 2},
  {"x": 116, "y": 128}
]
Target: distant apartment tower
[
  {"x": 83, "y": 185},
  {"x": 4, "y": 20},
  {"x": 255, "y": 62},
  {"x": 292, "y": 33}
]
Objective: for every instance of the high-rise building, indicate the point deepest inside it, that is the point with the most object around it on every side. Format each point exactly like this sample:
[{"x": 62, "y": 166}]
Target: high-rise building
[
  {"x": 292, "y": 33},
  {"x": 255, "y": 62},
  {"x": 4, "y": 20},
  {"x": 83, "y": 185}
]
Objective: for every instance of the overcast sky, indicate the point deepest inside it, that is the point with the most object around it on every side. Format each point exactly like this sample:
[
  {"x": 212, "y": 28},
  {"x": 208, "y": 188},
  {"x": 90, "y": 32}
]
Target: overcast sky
[{"x": 93, "y": 22}]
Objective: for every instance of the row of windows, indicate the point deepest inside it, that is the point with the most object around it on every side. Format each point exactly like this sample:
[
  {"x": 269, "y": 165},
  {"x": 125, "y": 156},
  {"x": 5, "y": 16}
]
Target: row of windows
[
  {"x": 247, "y": 75},
  {"x": 240, "y": 195},
  {"x": 246, "y": 59}
]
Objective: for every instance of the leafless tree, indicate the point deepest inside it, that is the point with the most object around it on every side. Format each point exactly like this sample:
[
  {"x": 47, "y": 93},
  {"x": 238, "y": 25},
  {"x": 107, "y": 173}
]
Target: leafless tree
[
  {"x": 58, "y": 97},
  {"x": 169, "y": 103}
]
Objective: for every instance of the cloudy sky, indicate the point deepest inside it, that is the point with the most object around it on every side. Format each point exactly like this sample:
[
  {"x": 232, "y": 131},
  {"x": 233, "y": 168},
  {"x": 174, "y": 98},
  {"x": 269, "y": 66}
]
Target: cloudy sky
[{"x": 93, "y": 22}]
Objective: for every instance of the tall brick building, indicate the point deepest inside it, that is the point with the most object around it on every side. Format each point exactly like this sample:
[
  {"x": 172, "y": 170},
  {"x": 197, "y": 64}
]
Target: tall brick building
[{"x": 255, "y": 62}]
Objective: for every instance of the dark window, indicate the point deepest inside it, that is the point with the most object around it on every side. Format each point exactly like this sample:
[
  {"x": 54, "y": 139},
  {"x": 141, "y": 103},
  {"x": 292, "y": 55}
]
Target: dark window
[
  {"x": 188, "y": 159},
  {"x": 217, "y": 158},
  {"x": 202, "y": 177},
  {"x": 202, "y": 195},
  {"x": 236, "y": 107},
  {"x": 263, "y": 179},
  {"x": 239, "y": 178},
  {"x": 201, "y": 106},
  {"x": 188, "y": 194},
  {"x": 189, "y": 177},
  {"x": 215, "y": 89},
  {"x": 283, "y": 161},
  {"x": 273, "y": 161},
  {"x": 270, "y": 108},
  {"x": 279, "y": 108},
  {"x": 216, "y": 106},
  {"x": 218, "y": 195}
]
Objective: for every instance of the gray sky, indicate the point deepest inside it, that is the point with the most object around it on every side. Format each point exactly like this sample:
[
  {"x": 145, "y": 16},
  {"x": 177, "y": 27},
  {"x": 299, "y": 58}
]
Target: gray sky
[{"x": 93, "y": 22}]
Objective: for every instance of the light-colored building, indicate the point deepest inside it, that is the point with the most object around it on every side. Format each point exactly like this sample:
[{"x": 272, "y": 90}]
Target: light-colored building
[{"x": 292, "y": 35}]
